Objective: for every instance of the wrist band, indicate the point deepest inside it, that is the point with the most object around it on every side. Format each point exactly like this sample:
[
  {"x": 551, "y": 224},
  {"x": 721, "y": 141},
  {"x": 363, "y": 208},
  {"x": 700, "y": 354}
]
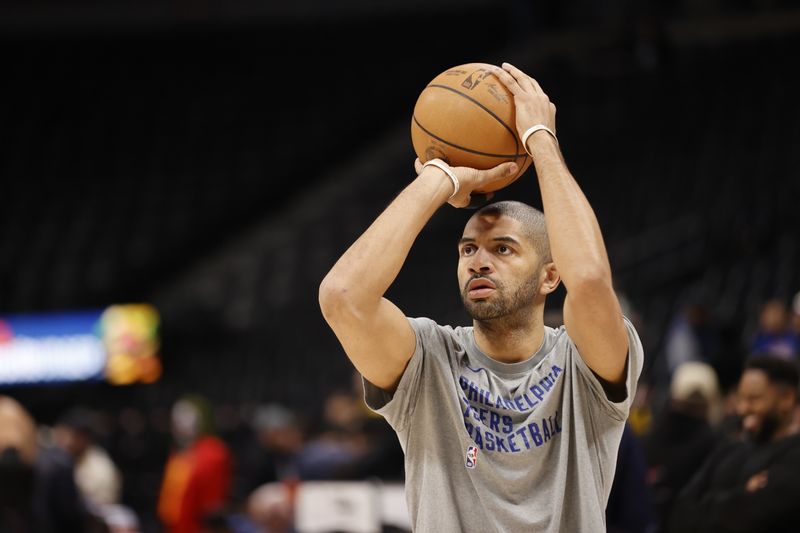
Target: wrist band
[
  {"x": 531, "y": 131},
  {"x": 441, "y": 164}
]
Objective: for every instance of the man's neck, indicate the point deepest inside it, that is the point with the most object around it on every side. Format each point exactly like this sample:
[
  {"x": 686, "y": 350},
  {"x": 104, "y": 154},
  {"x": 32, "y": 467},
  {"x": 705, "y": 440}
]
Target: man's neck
[{"x": 510, "y": 340}]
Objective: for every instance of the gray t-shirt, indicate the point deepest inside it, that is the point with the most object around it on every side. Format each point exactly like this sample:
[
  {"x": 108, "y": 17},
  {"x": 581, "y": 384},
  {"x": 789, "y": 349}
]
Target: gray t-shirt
[{"x": 498, "y": 447}]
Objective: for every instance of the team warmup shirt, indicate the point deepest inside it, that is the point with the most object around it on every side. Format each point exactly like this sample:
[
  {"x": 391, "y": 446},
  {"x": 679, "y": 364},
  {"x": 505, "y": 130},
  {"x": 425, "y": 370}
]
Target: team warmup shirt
[{"x": 499, "y": 447}]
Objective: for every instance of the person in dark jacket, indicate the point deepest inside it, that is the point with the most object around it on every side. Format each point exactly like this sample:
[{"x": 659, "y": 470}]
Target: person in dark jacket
[{"x": 750, "y": 483}]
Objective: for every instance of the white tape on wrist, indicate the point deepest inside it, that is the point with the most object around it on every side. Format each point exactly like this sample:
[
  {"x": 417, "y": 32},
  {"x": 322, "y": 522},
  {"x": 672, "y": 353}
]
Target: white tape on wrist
[
  {"x": 442, "y": 165},
  {"x": 533, "y": 129}
]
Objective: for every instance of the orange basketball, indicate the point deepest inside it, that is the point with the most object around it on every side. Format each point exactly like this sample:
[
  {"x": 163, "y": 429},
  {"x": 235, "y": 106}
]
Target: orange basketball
[{"x": 465, "y": 117}]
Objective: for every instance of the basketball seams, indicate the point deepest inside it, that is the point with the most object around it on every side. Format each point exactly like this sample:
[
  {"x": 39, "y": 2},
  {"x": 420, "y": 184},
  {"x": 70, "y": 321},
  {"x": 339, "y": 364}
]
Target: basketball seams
[
  {"x": 522, "y": 167},
  {"x": 482, "y": 106},
  {"x": 464, "y": 149}
]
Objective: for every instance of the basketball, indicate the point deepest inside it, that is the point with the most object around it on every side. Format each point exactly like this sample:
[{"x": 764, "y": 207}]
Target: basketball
[{"x": 465, "y": 117}]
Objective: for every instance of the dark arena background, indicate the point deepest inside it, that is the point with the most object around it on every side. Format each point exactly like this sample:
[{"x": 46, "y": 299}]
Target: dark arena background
[{"x": 199, "y": 166}]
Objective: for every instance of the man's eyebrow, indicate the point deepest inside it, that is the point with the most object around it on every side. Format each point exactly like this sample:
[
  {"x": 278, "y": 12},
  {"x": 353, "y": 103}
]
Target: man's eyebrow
[
  {"x": 502, "y": 238},
  {"x": 506, "y": 238}
]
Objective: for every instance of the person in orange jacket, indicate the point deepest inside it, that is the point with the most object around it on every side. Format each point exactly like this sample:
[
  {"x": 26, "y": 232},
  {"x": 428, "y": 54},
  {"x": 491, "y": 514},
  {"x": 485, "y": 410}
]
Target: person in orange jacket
[{"x": 197, "y": 476}]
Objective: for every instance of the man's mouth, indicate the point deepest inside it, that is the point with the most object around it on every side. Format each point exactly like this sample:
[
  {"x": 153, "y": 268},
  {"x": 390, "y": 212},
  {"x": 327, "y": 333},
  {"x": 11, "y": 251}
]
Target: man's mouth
[{"x": 480, "y": 288}]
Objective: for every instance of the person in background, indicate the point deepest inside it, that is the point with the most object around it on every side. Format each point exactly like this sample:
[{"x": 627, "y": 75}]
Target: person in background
[
  {"x": 690, "y": 337},
  {"x": 197, "y": 477},
  {"x": 337, "y": 450},
  {"x": 354, "y": 443},
  {"x": 684, "y": 434},
  {"x": 59, "y": 505},
  {"x": 97, "y": 477},
  {"x": 272, "y": 454},
  {"x": 18, "y": 454},
  {"x": 750, "y": 483},
  {"x": 775, "y": 336}
]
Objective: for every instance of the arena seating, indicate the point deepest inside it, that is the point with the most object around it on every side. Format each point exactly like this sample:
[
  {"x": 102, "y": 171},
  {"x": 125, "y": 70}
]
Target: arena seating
[{"x": 202, "y": 173}]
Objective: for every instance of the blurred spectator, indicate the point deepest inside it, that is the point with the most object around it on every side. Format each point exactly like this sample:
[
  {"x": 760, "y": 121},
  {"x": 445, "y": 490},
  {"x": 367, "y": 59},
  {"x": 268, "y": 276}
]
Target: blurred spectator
[
  {"x": 341, "y": 443},
  {"x": 59, "y": 506},
  {"x": 750, "y": 484},
  {"x": 97, "y": 477},
  {"x": 272, "y": 456},
  {"x": 17, "y": 457},
  {"x": 353, "y": 443},
  {"x": 690, "y": 337},
  {"x": 197, "y": 476},
  {"x": 630, "y": 505},
  {"x": 271, "y": 508},
  {"x": 684, "y": 434},
  {"x": 775, "y": 336}
]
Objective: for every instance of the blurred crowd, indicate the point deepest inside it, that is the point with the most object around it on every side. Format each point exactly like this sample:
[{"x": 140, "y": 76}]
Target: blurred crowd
[
  {"x": 713, "y": 439},
  {"x": 193, "y": 468},
  {"x": 712, "y": 445}
]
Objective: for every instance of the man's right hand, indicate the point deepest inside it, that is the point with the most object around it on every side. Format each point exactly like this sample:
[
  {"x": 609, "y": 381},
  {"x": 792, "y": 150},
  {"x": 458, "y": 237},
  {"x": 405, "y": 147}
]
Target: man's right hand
[
  {"x": 531, "y": 103},
  {"x": 470, "y": 179}
]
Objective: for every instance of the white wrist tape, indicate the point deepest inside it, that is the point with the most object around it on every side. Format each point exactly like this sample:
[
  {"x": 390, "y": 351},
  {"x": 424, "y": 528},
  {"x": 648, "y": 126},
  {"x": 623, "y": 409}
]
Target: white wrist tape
[
  {"x": 442, "y": 165},
  {"x": 533, "y": 129}
]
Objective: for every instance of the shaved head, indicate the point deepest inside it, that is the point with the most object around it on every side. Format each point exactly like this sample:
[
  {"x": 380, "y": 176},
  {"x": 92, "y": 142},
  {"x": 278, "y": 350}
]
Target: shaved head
[{"x": 531, "y": 220}]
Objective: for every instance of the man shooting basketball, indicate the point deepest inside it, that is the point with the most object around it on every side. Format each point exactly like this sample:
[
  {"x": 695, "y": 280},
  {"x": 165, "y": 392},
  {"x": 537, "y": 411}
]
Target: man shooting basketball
[{"x": 507, "y": 425}]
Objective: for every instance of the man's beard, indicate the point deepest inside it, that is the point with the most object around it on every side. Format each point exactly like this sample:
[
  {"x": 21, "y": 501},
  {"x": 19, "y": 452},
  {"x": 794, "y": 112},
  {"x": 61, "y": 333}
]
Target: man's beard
[
  {"x": 769, "y": 426},
  {"x": 501, "y": 304}
]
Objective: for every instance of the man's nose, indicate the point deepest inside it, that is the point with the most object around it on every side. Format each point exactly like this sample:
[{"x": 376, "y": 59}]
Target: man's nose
[{"x": 481, "y": 263}]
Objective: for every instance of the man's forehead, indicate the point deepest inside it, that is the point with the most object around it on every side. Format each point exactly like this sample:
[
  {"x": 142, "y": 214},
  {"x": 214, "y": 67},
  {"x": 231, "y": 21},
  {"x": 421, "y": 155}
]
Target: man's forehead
[
  {"x": 754, "y": 378},
  {"x": 491, "y": 223}
]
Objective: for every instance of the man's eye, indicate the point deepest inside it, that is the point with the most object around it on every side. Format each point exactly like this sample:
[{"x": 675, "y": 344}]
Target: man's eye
[
  {"x": 468, "y": 250},
  {"x": 503, "y": 249}
]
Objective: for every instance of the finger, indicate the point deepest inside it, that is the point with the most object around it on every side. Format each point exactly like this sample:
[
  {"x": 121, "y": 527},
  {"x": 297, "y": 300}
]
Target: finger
[
  {"x": 499, "y": 172},
  {"x": 525, "y": 81},
  {"x": 418, "y": 165},
  {"x": 536, "y": 85},
  {"x": 509, "y": 81}
]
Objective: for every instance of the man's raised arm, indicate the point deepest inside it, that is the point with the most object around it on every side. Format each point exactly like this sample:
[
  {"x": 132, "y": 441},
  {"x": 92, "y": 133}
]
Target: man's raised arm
[
  {"x": 374, "y": 333},
  {"x": 592, "y": 313}
]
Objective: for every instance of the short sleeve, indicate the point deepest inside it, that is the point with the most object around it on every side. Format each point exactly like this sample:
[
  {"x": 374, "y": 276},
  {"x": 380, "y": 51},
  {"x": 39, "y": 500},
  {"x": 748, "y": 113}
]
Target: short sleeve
[
  {"x": 633, "y": 365},
  {"x": 397, "y": 408}
]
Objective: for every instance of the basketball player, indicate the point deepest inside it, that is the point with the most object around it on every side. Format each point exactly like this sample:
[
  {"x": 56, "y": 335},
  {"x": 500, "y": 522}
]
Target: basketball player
[{"x": 507, "y": 425}]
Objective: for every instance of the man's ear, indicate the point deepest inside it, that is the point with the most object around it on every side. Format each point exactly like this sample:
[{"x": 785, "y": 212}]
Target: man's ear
[{"x": 549, "y": 278}]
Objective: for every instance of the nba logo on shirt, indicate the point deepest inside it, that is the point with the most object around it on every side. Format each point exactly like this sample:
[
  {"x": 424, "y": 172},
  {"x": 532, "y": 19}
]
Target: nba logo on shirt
[{"x": 472, "y": 457}]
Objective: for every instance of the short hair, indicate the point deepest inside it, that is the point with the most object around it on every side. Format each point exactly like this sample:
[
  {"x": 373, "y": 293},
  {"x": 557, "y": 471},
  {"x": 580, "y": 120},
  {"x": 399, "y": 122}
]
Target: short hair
[
  {"x": 531, "y": 219},
  {"x": 778, "y": 371}
]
